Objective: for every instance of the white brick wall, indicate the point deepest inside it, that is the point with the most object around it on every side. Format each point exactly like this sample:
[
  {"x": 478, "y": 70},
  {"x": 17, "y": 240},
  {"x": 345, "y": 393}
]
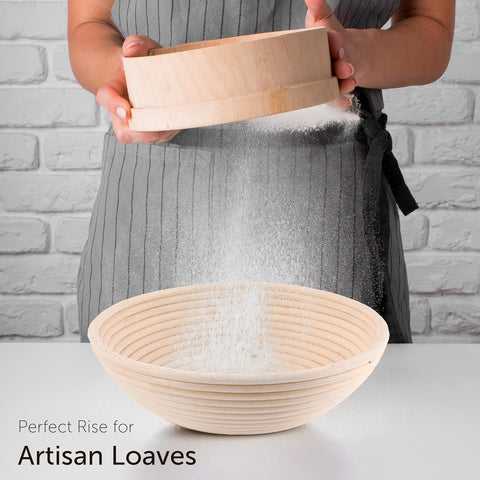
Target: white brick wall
[
  {"x": 51, "y": 134},
  {"x": 18, "y": 151},
  {"x": 50, "y": 154},
  {"x": 442, "y": 239}
]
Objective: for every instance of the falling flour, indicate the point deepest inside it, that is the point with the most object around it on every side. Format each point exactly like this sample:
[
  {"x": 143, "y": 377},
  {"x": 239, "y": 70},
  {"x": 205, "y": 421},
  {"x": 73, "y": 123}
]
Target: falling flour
[
  {"x": 273, "y": 243},
  {"x": 231, "y": 338},
  {"x": 310, "y": 118}
]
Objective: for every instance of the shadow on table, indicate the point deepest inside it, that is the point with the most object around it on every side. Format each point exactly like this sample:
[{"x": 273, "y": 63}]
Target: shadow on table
[{"x": 302, "y": 453}]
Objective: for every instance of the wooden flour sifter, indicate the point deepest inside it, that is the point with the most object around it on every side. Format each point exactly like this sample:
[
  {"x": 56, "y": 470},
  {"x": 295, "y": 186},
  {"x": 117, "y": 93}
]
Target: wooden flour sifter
[{"x": 229, "y": 79}]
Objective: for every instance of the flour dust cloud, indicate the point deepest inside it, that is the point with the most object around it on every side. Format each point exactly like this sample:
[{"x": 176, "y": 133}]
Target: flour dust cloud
[{"x": 277, "y": 222}]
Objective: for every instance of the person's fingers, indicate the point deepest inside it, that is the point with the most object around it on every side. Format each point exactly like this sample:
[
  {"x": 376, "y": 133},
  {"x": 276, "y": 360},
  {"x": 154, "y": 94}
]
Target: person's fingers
[
  {"x": 154, "y": 137},
  {"x": 343, "y": 102},
  {"x": 167, "y": 135},
  {"x": 126, "y": 135},
  {"x": 336, "y": 45},
  {"x": 343, "y": 69},
  {"x": 138, "y": 45},
  {"x": 319, "y": 9},
  {"x": 111, "y": 96},
  {"x": 114, "y": 97},
  {"x": 319, "y": 14},
  {"x": 347, "y": 86}
]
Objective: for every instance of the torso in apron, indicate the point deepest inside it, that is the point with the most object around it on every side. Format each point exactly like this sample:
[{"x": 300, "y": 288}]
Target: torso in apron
[
  {"x": 172, "y": 22},
  {"x": 213, "y": 205}
]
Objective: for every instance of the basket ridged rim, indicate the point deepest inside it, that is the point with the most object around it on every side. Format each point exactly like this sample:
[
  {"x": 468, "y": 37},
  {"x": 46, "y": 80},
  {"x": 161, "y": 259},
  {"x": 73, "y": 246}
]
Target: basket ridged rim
[{"x": 369, "y": 355}]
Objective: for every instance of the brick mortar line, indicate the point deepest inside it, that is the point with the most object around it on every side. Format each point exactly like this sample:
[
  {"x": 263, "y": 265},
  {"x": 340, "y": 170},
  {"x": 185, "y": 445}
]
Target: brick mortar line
[
  {"x": 12, "y": 173},
  {"x": 427, "y": 251},
  {"x": 441, "y": 253},
  {"x": 34, "y": 212},
  {"x": 45, "y": 86},
  {"x": 410, "y": 125},
  {"x": 39, "y": 296},
  {"x": 427, "y": 125},
  {"x": 45, "y": 169},
  {"x": 450, "y": 294},
  {"x": 447, "y": 210},
  {"x": 56, "y": 255},
  {"x": 464, "y": 165},
  {"x": 447, "y": 296},
  {"x": 65, "y": 338},
  {"x": 46, "y": 216},
  {"x": 32, "y": 1},
  {"x": 453, "y": 83},
  {"x": 435, "y": 337},
  {"x": 420, "y": 127},
  {"x": 100, "y": 127},
  {"x": 422, "y": 168},
  {"x": 473, "y": 41},
  {"x": 34, "y": 41}
]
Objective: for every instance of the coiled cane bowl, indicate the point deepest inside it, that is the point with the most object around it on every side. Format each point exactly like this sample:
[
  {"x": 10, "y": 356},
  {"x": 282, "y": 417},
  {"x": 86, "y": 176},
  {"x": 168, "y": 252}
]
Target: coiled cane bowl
[{"x": 323, "y": 345}]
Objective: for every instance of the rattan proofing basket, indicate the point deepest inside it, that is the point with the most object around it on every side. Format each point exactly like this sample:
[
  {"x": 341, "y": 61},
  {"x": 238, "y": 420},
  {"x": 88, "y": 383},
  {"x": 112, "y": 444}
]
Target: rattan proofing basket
[{"x": 329, "y": 344}]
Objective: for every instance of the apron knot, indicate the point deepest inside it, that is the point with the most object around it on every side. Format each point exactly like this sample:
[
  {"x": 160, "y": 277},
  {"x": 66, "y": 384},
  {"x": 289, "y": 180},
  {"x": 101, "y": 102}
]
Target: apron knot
[{"x": 380, "y": 146}]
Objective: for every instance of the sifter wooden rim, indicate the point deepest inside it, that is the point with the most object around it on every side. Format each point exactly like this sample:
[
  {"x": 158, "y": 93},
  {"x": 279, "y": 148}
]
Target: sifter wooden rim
[
  {"x": 225, "y": 42},
  {"x": 293, "y": 88}
]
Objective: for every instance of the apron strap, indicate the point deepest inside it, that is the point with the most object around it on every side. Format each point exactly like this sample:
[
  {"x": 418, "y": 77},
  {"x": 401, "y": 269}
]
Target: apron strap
[{"x": 380, "y": 146}]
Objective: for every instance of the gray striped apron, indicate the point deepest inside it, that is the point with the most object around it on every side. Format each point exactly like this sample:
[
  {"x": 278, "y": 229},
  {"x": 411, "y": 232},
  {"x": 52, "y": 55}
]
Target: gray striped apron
[{"x": 226, "y": 203}]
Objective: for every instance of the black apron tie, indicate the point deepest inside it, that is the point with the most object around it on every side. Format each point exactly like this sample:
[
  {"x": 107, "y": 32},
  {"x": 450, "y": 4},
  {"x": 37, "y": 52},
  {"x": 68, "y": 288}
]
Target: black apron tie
[{"x": 380, "y": 146}]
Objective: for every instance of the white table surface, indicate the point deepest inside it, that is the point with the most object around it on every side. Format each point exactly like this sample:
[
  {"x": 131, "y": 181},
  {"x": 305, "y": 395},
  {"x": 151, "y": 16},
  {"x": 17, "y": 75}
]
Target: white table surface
[{"x": 416, "y": 417}]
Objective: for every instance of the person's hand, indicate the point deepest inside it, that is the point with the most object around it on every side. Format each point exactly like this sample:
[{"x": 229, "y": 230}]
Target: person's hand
[
  {"x": 113, "y": 96},
  {"x": 319, "y": 14}
]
